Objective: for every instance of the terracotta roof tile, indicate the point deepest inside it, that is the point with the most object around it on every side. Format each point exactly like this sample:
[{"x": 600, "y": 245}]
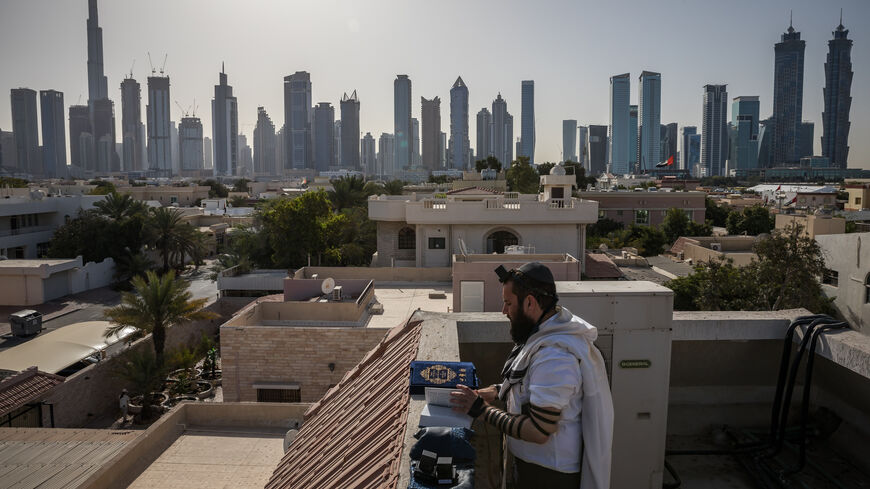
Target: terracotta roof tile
[
  {"x": 25, "y": 386},
  {"x": 353, "y": 437},
  {"x": 599, "y": 265}
]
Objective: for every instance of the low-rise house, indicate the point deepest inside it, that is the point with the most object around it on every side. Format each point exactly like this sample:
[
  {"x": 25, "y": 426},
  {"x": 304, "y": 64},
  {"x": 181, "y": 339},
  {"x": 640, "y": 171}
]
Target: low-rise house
[
  {"x": 813, "y": 224},
  {"x": 28, "y": 220},
  {"x": 706, "y": 248},
  {"x": 647, "y": 208}
]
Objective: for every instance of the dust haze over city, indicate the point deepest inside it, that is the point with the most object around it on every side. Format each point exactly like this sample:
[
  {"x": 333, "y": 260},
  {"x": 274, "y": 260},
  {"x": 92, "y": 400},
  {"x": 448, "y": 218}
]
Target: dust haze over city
[{"x": 569, "y": 49}]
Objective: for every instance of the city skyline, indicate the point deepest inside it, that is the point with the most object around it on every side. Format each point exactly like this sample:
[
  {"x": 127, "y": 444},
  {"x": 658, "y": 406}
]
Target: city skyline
[{"x": 748, "y": 70}]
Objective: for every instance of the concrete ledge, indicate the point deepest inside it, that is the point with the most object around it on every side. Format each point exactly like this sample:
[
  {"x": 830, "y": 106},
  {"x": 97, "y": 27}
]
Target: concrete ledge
[{"x": 847, "y": 348}]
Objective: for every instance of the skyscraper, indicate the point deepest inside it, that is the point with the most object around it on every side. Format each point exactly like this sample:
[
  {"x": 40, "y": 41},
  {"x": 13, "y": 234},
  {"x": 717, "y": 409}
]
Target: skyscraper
[
  {"x": 324, "y": 125},
  {"x": 102, "y": 109},
  {"x": 669, "y": 142},
  {"x": 386, "y": 155},
  {"x": 53, "y": 134},
  {"x": 838, "y": 97},
  {"x": 444, "y": 151},
  {"x": 569, "y": 140},
  {"x": 619, "y": 135},
  {"x": 765, "y": 143},
  {"x": 297, "y": 120},
  {"x": 416, "y": 161},
  {"x": 336, "y": 133},
  {"x": 502, "y": 132},
  {"x": 207, "y": 153},
  {"x": 714, "y": 130},
  {"x": 174, "y": 146},
  {"x": 688, "y": 157},
  {"x": 805, "y": 139},
  {"x": 403, "y": 142},
  {"x": 744, "y": 133},
  {"x": 583, "y": 145},
  {"x": 788, "y": 96},
  {"x": 159, "y": 127},
  {"x": 246, "y": 160},
  {"x": 8, "y": 154},
  {"x": 79, "y": 124},
  {"x": 484, "y": 133},
  {"x": 598, "y": 148},
  {"x": 368, "y": 154},
  {"x": 650, "y": 116},
  {"x": 225, "y": 128},
  {"x": 25, "y": 125},
  {"x": 264, "y": 145},
  {"x": 350, "y": 132},
  {"x": 527, "y": 131},
  {"x": 633, "y": 140},
  {"x": 131, "y": 119},
  {"x": 459, "y": 145},
  {"x": 430, "y": 112},
  {"x": 190, "y": 154}
]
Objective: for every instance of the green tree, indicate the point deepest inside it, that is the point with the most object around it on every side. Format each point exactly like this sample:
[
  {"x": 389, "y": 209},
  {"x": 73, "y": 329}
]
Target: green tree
[
  {"x": 394, "y": 187},
  {"x": 348, "y": 192},
  {"x": 158, "y": 303},
  {"x": 373, "y": 188},
  {"x": 120, "y": 206},
  {"x": 490, "y": 162},
  {"x": 241, "y": 185},
  {"x": 715, "y": 213},
  {"x": 753, "y": 221},
  {"x": 171, "y": 234},
  {"x": 522, "y": 177},
  {"x": 788, "y": 270},
  {"x": 238, "y": 201},
  {"x": 102, "y": 188},
  {"x": 13, "y": 182},
  {"x": 716, "y": 285},
  {"x": 140, "y": 369},
  {"x": 297, "y": 228},
  {"x": 89, "y": 235},
  {"x": 216, "y": 189},
  {"x": 677, "y": 223}
]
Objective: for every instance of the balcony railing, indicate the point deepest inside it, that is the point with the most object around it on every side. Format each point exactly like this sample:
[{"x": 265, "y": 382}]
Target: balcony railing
[{"x": 24, "y": 230}]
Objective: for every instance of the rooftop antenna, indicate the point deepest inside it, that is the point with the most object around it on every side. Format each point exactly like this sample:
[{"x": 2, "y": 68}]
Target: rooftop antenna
[
  {"x": 841, "y": 15},
  {"x": 150, "y": 62},
  {"x": 790, "y": 12},
  {"x": 164, "y": 63},
  {"x": 193, "y": 112},
  {"x": 222, "y": 66}
]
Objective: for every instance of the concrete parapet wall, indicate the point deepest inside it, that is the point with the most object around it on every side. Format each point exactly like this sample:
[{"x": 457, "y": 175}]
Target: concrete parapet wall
[{"x": 379, "y": 274}]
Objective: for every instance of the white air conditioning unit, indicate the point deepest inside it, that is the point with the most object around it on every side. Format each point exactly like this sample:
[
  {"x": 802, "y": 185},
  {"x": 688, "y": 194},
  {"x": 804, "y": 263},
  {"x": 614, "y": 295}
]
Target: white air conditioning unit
[
  {"x": 716, "y": 246},
  {"x": 634, "y": 336},
  {"x": 336, "y": 293}
]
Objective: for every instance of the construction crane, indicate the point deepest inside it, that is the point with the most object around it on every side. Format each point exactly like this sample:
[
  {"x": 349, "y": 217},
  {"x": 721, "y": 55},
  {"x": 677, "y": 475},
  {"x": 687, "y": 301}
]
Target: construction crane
[
  {"x": 131, "y": 68},
  {"x": 193, "y": 111},
  {"x": 185, "y": 113},
  {"x": 164, "y": 63},
  {"x": 150, "y": 63}
]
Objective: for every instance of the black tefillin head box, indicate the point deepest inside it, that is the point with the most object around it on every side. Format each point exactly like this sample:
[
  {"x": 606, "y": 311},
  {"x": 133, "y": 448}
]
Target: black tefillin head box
[{"x": 441, "y": 374}]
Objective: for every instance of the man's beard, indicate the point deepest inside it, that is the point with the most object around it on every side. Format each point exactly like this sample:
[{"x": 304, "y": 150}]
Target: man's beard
[{"x": 521, "y": 328}]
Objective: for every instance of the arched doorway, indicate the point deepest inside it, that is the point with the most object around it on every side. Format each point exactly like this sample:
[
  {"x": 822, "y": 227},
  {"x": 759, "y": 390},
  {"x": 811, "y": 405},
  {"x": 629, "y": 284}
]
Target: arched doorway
[
  {"x": 497, "y": 240},
  {"x": 407, "y": 239}
]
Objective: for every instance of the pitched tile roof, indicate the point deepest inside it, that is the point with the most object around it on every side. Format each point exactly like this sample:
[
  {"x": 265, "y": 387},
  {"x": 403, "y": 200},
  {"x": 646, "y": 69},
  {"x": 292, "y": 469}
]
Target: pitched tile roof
[
  {"x": 599, "y": 265},
  {"x": 25, "y": 386},
  {"x": 353, "y": 437}
]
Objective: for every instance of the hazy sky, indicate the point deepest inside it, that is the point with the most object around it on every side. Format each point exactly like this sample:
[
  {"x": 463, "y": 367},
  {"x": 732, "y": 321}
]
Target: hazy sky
[{"x": 570, "y": 49}]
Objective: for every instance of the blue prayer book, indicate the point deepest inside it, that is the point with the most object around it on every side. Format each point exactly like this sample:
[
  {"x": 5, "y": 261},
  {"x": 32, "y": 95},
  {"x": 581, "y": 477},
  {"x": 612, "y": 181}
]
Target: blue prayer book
[{"x": 441, "y": 374}]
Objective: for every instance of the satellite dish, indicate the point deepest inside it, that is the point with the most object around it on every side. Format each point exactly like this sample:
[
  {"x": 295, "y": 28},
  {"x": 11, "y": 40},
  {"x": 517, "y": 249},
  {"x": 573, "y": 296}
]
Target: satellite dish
[{"x": 328, "y": 285}]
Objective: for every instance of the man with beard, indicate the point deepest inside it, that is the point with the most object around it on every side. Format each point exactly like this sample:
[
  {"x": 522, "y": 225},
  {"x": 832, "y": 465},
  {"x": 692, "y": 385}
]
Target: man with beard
[{"x": 559, "y": 416}]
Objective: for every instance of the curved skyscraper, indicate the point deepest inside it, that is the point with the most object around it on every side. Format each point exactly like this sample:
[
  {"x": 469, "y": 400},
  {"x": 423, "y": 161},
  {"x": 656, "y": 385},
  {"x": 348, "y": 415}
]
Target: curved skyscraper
[{"x": 838, "y": 98}]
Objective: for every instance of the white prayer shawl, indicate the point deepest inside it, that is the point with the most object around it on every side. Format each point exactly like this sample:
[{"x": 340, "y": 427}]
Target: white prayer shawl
[{"x": 567, "y": 331}]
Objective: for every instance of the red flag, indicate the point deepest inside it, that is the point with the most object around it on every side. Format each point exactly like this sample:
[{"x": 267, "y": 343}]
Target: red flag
[
  {"x": 779, "y": 188},
  {"x": 666, "y": 163}
]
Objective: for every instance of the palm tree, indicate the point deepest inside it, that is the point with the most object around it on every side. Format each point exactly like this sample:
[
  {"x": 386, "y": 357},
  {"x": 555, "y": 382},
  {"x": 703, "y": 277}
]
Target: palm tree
[
  {"x": 140, "y": 369},
  {"x": 157, "y": 303},
  {"x": 347, "y": 192},
  {"x": 118, "y": 206},
  {"x": 394, "y": 187},
  {"x": 169, "y": 231}
]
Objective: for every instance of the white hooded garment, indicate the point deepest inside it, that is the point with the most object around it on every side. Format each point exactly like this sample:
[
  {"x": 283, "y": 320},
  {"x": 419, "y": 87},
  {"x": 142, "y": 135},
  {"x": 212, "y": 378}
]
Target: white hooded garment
[{"x": 565, "y": 332}]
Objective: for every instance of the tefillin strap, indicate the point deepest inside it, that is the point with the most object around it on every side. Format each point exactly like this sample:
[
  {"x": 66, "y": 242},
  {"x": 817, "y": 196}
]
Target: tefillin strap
[{"x": 506, "y": 373}]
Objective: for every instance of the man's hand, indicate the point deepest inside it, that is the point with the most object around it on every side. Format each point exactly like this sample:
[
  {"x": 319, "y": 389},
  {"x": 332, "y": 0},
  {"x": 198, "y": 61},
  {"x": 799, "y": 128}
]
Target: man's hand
[
  {"x": 462, "y": 398},
  {"x": 489, "y": 394}
]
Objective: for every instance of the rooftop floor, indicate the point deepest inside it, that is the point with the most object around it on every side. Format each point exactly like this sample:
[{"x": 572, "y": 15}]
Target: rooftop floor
[
  {"x": 207, "y": 457},
  {"x": 400, "y": 300}
]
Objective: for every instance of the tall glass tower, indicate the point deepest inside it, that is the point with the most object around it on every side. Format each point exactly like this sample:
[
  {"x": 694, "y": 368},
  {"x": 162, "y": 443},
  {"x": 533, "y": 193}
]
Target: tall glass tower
[
  {"x": 527, "y": 135},
  {"x": 838, "y": 98},
  {"x": 788, "y": 96},
  {"x": 459, "y": 142},
  {"x": 744, "y": 137},
  {"x": 619, "y": 136},
  {"x": 650, "y": 117},
  {"x": 403, "y": 142}
]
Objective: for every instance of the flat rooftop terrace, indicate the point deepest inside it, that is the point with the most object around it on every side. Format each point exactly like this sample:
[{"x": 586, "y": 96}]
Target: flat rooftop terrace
[{"x": 209, "y": 457}]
